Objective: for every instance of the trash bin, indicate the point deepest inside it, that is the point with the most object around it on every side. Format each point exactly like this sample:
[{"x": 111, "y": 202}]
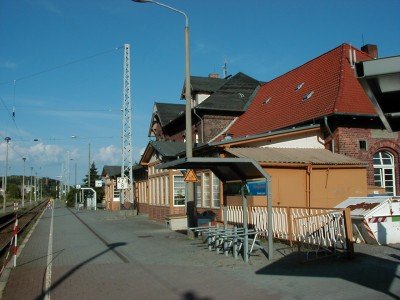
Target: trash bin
[{"x": 206, "y": 218}]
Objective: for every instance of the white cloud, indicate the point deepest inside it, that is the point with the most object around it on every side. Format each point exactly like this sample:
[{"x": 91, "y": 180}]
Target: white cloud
[
  {"x": 42, "y": 153},
  {"x": 39, "y": 153},
  {"x": 110, "y": 155}
]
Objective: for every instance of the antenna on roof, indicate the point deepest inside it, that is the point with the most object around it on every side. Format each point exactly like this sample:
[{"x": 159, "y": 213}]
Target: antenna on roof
[
  {"x": 362, "y": 39},
  {"x": 225, "y": 69}
]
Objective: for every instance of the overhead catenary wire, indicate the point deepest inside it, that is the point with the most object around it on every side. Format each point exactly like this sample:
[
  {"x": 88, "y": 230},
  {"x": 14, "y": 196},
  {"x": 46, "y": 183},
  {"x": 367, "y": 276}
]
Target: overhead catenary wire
[
  {"x": 12, "y": 113},
  {"x": 14, "y": 81},
  {"x": 15, "y": 151}
]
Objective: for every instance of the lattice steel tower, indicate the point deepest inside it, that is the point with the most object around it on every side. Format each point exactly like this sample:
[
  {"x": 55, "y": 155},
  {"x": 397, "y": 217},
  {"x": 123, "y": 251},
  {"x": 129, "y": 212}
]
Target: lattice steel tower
[{"x": 126, "y": 167}]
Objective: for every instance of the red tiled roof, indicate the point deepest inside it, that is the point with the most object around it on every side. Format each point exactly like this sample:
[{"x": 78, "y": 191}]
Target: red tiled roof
[{"x": 330, "y": 78}]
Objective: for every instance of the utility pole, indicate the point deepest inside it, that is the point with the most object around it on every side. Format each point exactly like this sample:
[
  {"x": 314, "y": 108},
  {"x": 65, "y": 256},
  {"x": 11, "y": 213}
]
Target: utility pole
[
  {"x": 23, "y": 184},
  {"x": 7, "y": 139},
  {"x": 89, "y": 168},
  {"x": 76, "y": 193},
  {"x": 126, "y": 167}
]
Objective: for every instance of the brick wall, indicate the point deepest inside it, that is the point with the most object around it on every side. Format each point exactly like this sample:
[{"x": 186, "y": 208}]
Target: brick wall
[
  {"x": 213, "y": 125},
  {"x": 347, "y": 143},
  {"x": 143, "y": 208},
  {"x": 158, "y": 213}
]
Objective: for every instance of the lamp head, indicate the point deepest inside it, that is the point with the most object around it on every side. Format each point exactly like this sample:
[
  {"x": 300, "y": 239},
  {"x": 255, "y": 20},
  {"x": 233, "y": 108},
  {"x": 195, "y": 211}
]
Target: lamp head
[{"x": 142, "y": 1}]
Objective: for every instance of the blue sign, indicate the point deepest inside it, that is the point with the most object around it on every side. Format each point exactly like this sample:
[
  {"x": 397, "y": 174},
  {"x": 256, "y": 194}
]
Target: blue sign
[{"x": 256, "y": 188}]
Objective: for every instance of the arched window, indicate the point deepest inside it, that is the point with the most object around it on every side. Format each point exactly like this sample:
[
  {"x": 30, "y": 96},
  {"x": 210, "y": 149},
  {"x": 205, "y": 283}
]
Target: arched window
[{"x": 384, "y": 171}]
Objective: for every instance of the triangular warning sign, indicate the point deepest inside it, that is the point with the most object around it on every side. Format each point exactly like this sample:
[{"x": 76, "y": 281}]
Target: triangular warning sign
[{"x": 191, "y": 176}]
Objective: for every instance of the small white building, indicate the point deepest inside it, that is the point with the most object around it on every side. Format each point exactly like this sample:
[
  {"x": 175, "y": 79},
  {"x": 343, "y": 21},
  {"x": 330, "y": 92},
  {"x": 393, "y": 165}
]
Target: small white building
[{"x": 375, "y": 219}]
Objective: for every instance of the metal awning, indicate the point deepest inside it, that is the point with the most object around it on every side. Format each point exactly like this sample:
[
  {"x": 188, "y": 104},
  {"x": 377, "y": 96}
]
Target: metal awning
[
  {"x": 226, "y": 169},
  {"x": 380, "y": 79},
  {"x": 229, "y": 170}
]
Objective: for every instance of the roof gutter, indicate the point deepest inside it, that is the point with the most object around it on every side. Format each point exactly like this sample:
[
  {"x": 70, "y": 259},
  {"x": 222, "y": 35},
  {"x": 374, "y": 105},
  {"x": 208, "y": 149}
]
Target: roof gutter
[
  {"x": 330, "y": 133},
  {"x": 202, "y": 125},
  {"x": 314, "y": 165}
]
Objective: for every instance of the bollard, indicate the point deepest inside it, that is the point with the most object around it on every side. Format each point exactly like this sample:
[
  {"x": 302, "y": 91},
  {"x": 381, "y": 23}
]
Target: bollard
[{"x": 15, "y": 250}]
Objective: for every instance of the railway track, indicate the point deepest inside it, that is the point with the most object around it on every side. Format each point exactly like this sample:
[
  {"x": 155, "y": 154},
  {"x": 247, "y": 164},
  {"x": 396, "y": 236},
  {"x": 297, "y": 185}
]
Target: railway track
[{"x": 7, "y": 223}]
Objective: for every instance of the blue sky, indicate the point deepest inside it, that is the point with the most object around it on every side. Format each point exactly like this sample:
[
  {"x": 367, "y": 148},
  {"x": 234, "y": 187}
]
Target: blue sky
[{"x": 261, "y": 38}]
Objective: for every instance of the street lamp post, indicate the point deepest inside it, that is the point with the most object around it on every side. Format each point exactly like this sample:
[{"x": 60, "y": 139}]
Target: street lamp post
[
  {"x": 75, "y": 184},
  {"x": 188, "y": 109},
  {"x": 35, "y": 180},
  {"x": 40, "y": 184},
  {"x": 68, "y": 173},
  {"x": 31, "y": 188},
  {"x": 7, "y": 139},
  {"x": 23, "y": 184}
]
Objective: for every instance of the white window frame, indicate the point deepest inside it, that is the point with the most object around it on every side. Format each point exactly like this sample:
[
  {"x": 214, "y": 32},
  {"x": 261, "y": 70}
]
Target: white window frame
[
  {"x": 166, "y": 181},
  {"x": 206, "y": 195},
  {"x": 199, "y": 184},
  {"x": 384, "y": 169},
  {"x": 183, "y": 189},
  {"x": 213, "y": 177}
]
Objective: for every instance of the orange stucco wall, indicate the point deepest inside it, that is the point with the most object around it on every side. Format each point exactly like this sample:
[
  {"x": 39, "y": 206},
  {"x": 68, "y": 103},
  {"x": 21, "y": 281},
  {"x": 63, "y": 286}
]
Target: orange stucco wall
[
  {"x": 299, "y": 187},
  {"x": 329, "y": 187}
]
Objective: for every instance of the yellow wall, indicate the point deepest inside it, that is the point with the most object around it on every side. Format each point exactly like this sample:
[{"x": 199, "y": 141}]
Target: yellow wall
[
  {"x": 288, "y": 186},
  {"x": 328, "y": 187}
]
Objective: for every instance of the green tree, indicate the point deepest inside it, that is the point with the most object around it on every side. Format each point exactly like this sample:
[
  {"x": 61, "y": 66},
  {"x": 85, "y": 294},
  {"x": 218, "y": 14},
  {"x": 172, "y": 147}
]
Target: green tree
[
  {"x": 13, "y": 191},
  {"x": 93, "y": 177}
]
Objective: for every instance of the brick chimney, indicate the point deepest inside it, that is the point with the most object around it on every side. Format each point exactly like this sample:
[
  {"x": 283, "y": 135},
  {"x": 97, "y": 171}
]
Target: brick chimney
[
  {"x": 213, "y": 75},
  {"x": 372, "y": 50}
]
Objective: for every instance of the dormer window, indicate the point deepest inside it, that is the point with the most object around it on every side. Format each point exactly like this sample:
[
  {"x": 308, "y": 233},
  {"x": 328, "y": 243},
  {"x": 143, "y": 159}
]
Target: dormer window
[
  {"x": 299, "y": 86},
  {"x": 308, "y": 95}
]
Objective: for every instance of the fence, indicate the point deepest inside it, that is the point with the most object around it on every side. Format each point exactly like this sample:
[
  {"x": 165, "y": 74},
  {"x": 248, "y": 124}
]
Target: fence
[{"x": 315, "y": 226}]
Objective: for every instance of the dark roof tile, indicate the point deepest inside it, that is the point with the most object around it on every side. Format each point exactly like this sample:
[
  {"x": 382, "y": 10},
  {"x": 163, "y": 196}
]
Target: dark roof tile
[
  {"x": 168, "y": 112},
  {"x": 233, "y": 95},
  {"x": 168, "y": 149}
]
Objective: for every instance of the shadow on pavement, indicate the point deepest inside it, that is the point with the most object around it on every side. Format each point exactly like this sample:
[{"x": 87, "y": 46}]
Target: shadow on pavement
[
  {"x": 192, "y": 296},
  {"x": 366, "y": 270},
  {"x": 55, "y": 254},
  {"x": 111, "y": 247}
]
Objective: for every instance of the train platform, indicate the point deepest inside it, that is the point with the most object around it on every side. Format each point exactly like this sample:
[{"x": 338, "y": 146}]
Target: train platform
[{"x": 101, "y": 255}]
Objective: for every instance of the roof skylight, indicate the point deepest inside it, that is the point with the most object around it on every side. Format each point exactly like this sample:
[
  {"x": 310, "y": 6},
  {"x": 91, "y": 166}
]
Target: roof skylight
[
  {"x": 266, "y": 101},
  {"x": 299, "y": 86},
  {"x": 308, "y": 95}
]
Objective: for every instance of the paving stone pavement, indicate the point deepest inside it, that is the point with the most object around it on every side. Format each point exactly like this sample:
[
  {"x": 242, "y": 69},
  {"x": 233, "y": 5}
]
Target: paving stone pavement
[{"x": 100, "y": 254}]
